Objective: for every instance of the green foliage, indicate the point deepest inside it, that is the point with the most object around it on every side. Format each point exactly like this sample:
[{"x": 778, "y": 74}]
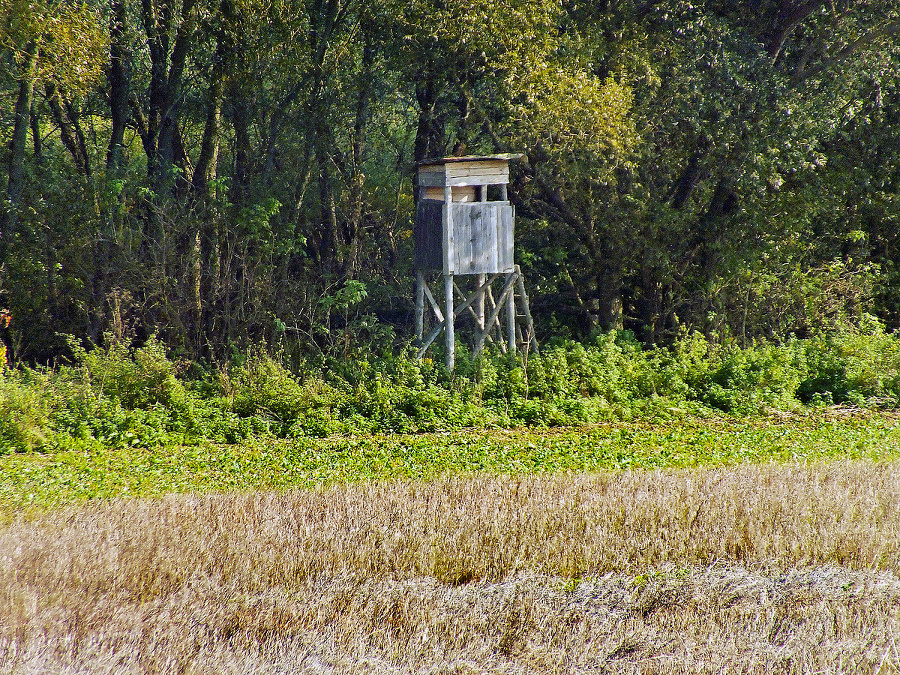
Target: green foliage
[
  {"x": 751, "y": 381},
  {"x": 262, "y": 387},
  {"x": 138, "y": 378},
  {"x": 24, "y": 407},
  {"x": 122, "y": 395},
  {"x": 71, "y": 36},
  {"x": 859, "y": 367},
  {"x": 41, "y": 481}
]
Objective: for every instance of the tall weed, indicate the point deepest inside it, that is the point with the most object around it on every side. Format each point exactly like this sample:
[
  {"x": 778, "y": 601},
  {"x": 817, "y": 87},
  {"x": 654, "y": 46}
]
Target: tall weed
[
  {"x": 859, "y": 366},
  {"x": 123, "y": 395},
  {"x": 24, "y": 410}
]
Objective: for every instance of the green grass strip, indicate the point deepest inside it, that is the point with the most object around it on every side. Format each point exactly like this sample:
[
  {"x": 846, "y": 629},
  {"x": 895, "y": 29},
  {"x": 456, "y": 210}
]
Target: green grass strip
[{"x": 39, "y": 481}]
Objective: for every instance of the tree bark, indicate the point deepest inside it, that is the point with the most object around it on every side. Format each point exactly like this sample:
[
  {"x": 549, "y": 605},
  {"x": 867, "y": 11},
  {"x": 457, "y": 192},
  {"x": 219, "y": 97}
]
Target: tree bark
[
  {"x": 119, "y": 85},
  {"x": 166, "y": 75},
  {"x": 790, "y": 15},
  {"x": 357, "y": 149},
  {"x": 16, "y": 182},
  {"x": 71, "y": 134},
  {"x": 204, "y": 240},
  {"x": 609, "y": 299}
]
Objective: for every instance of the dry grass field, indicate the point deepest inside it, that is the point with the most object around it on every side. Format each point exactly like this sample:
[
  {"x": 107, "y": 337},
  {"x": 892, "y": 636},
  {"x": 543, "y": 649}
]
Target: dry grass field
[{"x": 748, "y": 569}]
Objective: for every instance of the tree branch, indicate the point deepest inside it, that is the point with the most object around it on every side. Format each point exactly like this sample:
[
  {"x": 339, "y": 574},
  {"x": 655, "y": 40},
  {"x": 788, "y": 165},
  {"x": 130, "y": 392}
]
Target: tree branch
[{"x": 848, "y": 51}]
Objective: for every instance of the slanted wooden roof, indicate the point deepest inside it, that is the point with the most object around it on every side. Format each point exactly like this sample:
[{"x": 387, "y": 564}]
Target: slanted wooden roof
[
  {"x": 464, "y": 171},
  {"x": 505, "y": 157}
]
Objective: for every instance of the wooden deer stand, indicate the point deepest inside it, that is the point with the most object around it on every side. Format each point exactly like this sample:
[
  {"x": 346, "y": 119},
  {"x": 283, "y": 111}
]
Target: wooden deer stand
[{"x": 461, "y": 232}]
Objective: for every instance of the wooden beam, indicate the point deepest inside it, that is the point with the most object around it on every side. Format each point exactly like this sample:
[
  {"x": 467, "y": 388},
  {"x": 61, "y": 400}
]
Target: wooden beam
[
  {"x": 447, "y": 229},
  {"x": 511, "y": 312},
  {"x": 504, "y": 294},
  {"x": 420, "y": 305},
  {"x": 490, "y": 326},
  {"x": 450, "y": 332},
  {"x": 479, "y": 304},
  {"x": 489, "y": 296},
  {"x": 434, "y": 305},
  {"x": 526, "y": 310}
]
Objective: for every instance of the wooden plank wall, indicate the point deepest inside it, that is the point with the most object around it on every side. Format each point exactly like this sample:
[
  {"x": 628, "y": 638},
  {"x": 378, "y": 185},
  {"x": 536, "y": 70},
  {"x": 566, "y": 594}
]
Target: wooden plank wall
[
  {"x": 482, "y": 237},
  {"x": 465, "y": 193},
  {"x": 428, "y": 235}
]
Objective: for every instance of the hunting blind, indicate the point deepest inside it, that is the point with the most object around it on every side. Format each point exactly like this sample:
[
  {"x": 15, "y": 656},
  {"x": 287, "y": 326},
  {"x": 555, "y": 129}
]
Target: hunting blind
[{"x": 464, "y": 228}]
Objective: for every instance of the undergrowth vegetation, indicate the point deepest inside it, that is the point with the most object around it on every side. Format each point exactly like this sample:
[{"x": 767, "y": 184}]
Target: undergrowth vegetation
[
  {"x": 128, "y": 395},
  {"x": 33, "y": 482}
]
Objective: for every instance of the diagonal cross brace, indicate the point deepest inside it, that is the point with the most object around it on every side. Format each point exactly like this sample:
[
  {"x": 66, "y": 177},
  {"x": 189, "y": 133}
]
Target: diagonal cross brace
[
  {"x": 489, "y": 323},
  {"x": 426, "y": 343}
]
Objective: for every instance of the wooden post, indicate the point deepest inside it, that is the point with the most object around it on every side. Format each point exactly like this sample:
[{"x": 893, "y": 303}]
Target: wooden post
[
  {"x": 420, "y": 305},
  {"x": 511, "y": 315},
  {"x": 511, "y": 300},
  {"x": 448, "y": 318},
  {"x": 479, "y": 304},
  {"x": 495, "y": 321},
  {"x": 504, "y": 299},
  {"x": 436, "y": 308},
  {"x": 448, "y": 278},
  {"x": 526, "y": 310}
]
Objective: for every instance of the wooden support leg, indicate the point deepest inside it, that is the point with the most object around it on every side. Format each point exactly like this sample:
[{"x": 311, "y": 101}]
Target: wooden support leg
[
  {"x": 511, "y": 315},
  {"x": 434, "y": 304},
  {"x": 479, "y": 304},
  {"x": 526, "y": 310},
  {"x": 420, "y": 306},
  {"x": 504, "y": 300},
  {"x": 449, "y": 321},
  {"x": 492, "y": 305}
]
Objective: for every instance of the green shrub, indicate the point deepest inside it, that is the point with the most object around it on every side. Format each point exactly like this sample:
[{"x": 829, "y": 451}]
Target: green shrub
[
  {"x": 24, "y": 410},
  {"x": 748, "y": 381},
  {"x": 263, "y": 387},
  {"x": 138, "y": 378},
  {"x": 856, "y": 365},
  {"x": 121, "y": 396}
]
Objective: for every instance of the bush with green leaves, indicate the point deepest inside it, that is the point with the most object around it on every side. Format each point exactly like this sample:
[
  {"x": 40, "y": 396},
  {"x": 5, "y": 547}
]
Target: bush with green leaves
[
  {"x": 749, "y": 381},
  {"x": 263, "y": 387},
  {"x": 860, "y": 367},
  {"x": 124, "y": 395},
  {"x": 137, "y": 377},
  {"x": 24, "y": 410}
]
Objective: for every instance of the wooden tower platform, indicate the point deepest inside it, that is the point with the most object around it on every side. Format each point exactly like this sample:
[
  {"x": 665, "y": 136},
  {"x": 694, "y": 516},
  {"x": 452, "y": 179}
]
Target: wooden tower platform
[{"x": 464, "y": 228}]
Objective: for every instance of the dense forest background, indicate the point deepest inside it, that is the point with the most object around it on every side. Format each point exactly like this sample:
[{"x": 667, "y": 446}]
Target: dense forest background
[{"x": 236, "y": 172}]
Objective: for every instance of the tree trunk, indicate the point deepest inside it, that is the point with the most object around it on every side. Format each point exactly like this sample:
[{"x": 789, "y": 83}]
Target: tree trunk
[
  {"x": 204, "y": 239},
  {"x": 609, "y": 301},
  {"x": 357, "y": 146},
  {"x": 16, "y": 182},
  {"x": 162, "y": 136},
  {"x": 429, "y": 132},
  {"x": 66, "y": 130},
  {"x": 119, "y": 84}
]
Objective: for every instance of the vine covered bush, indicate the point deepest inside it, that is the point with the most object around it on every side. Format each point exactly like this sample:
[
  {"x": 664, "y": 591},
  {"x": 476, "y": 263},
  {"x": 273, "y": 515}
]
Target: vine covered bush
[{"x": 135, "y": 395}]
